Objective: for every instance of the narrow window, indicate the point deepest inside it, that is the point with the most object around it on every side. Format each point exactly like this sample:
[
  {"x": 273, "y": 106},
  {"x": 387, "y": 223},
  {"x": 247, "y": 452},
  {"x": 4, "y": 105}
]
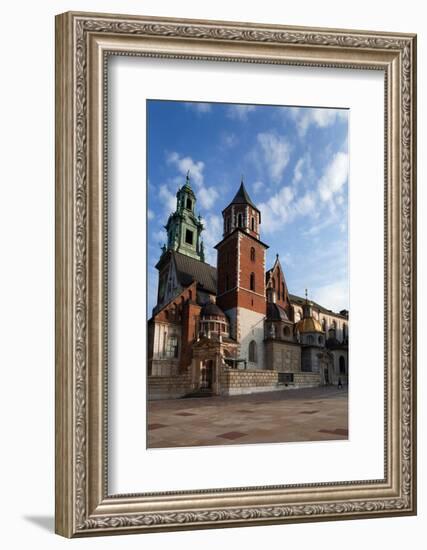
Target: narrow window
[
  {"x": 252, "y": 351},
  {"x": 240, "y": 220},
  {"x": 286, "y": 332},
  {"x": 253, "y": 223},
  {"x": 283, "y": 291},
  {"x": 252, "y": 281},
  {"x": 342, "y": 365},
  {"x": 188, "y": 236},
  {"x": 189, "y": 204},
  {"x": 252, "y": 253}
]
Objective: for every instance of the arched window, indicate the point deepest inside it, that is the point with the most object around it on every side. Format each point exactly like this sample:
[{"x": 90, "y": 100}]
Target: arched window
[
  {"x": 172, "y": 346},
  {"x": 320, "y": 340},
  {"x": 239, "y": 220},
  {"x": 252, "y": 281},
  {"x": 342, "y": 364},
  {"x": 253, "y": 223},
  {"x": 310, "y": 339},
  {"x": 283, "y": 291},
  {"x": 344, "y": 331},
  {"x": 324, "y": 324},
  {"x": 252, "y": 253},
  {"x": 274, "y": 283},
  {"x": 286, "y": 332},
  {"x": 189, "y": 204},
  {"x": 253, "y": 352},
  {"x": 190, "y": 295}
]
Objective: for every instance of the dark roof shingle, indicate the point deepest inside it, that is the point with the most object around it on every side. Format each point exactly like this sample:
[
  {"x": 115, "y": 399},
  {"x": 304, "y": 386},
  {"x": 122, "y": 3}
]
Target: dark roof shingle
[
  {"x": 189, "y": 270},
  {"x": 242, "y": 197}
]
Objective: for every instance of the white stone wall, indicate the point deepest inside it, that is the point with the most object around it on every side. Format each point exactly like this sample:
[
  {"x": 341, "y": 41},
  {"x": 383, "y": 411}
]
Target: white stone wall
[
  {"x": 251, "y": 327},
  {"x": 161, "y": 334}
]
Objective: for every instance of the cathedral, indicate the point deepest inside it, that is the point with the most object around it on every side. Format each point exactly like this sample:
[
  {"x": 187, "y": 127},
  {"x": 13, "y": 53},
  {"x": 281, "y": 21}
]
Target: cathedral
[{"x": 235, "y": 328}]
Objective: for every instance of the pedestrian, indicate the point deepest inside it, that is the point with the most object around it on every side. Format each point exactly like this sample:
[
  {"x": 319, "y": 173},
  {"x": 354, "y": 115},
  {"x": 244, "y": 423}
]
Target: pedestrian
[{"x": 339, "y": 383}]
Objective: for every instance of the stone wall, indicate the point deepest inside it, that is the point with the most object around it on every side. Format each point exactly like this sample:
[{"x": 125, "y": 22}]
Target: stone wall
[
  {"x": 163, "y": 367},
  {"x": 282, "y": 356},
  {"x": 237, "y": 382},
  {"x": 306, "y": 380},
  {"x": 168, "y": 387}
]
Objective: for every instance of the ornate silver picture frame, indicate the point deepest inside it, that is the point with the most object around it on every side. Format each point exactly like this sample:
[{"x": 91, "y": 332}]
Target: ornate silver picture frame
[{"x": 84, "y": 42}]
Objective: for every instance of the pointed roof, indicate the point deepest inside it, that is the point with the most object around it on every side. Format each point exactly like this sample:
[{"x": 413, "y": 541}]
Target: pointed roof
[{"x": 242, "y": 197}]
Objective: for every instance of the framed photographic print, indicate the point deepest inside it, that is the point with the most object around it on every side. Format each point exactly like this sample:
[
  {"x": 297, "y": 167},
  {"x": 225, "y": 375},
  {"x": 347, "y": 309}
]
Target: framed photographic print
[{"x": 235, "y": 274}]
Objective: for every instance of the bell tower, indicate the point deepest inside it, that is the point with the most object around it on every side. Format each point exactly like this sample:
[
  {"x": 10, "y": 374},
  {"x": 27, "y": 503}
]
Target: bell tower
[
  {"x": 241, "y": 275},
  {"x": 183, "y": 226}
]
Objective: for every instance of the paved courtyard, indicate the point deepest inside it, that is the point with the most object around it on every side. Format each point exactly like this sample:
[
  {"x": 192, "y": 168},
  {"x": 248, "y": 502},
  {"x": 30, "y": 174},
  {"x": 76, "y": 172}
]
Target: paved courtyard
[{"x": 311, "y": 414}]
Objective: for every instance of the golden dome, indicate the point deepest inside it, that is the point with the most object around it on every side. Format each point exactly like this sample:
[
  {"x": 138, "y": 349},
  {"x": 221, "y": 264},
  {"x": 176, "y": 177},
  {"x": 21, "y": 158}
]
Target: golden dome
[{"x": 309, "y": 325}]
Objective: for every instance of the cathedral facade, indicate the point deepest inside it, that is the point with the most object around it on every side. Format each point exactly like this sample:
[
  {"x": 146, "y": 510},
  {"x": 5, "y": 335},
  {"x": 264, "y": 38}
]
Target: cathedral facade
[{"x": 235, "y": 328}]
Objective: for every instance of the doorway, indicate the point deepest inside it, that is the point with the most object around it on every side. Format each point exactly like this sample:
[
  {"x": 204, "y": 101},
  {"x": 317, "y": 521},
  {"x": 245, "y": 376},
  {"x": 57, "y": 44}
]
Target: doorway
[{"x": 206, "y": 375}]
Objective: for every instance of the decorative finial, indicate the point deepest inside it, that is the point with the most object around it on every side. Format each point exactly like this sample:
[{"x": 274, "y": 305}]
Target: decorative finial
[
  {"x": 306, "y": 295},
  {"x": 277, "y": 257},
  {"x": 241, "y": 179},
  {"x": 187, "y": 178}
]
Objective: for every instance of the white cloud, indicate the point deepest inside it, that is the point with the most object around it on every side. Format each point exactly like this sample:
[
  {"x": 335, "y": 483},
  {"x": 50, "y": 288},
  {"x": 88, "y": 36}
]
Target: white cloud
[
  {"x": 239, "y": 112},
  {"x": 321, "y": 118},
  {"x": 159, "y": 236},
  {"x": 185, "y": 164},
  {"x": 277, "y": 210},
  {"x": 334, "y": 177},
  {"x": 284, "y": 207},
  {"x": 275, "y": 152},
  {"x": 211, "y": 235},
  {"x": 150, "y": 214},
  {"x": 167, "y": 198},
  {"x": 257, "y": 186},
  {"x": 305, "y": 204},
  {"x": 318, "y": 227},
  {"x": 207, "y": 197},
  {"x": 229, "y": 140},
  {"x": 304, "y": 173},
  {"x": 333, "y": 296},
  {"x": 199, "y": 107}
]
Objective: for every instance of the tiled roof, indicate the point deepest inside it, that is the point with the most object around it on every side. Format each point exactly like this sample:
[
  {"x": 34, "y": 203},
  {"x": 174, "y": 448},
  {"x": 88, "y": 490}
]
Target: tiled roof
[
  {"x": 242, "y": 197},
  {"x": 300, "y": 301},
  {"x": 189, "y": 270},
  {"x": 276, "y": 312}
]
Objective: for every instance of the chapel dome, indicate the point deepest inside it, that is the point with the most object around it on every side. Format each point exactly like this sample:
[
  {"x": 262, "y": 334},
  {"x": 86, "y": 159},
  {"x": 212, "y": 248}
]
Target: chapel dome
[
  {"x": 212, "y": 310},
  {"x": 308, "y": 324}
]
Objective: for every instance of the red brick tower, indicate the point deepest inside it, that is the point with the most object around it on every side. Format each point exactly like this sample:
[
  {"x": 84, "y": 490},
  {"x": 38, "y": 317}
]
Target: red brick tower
[{"x": 241, "y": 276}]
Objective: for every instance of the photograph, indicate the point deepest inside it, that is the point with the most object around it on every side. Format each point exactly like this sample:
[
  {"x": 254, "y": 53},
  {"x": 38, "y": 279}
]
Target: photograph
[
  {"x": 235, "y": 272},
  {"x": 248, "y": 313}
]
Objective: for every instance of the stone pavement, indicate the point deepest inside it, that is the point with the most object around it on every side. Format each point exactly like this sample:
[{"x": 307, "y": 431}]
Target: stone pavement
[{"x": 310, "y": 414}]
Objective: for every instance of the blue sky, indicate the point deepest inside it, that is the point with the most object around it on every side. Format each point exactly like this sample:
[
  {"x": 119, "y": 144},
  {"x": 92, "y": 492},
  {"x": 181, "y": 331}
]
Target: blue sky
[{"x": 294, "y": 163}]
